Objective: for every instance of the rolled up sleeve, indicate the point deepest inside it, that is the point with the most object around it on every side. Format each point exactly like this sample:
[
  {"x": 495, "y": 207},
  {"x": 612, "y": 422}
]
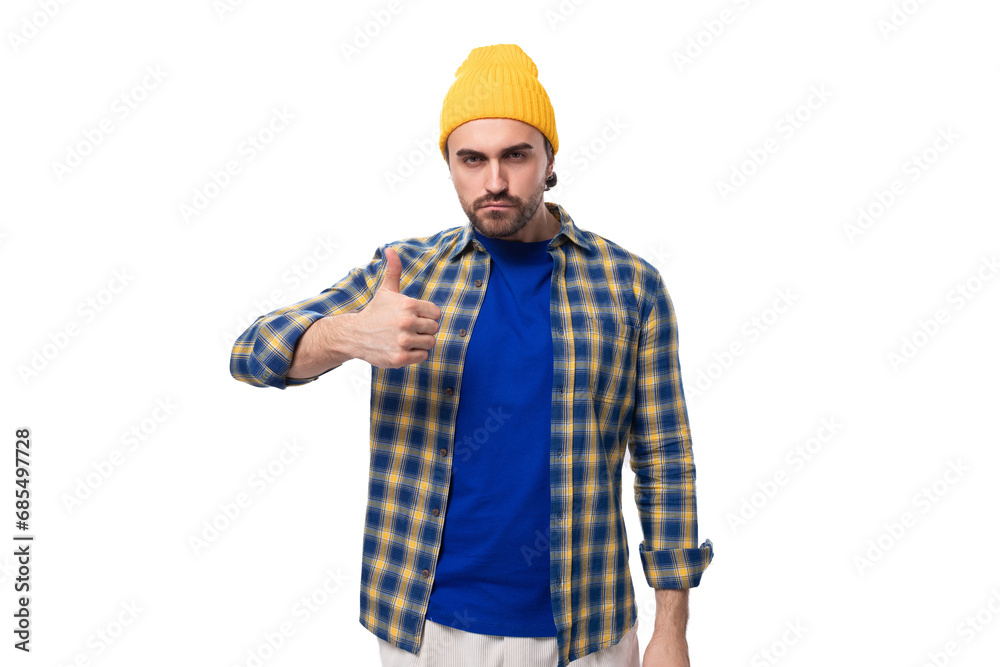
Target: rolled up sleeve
[
  {"x": 262, "y": 355},
  {"x": 661, "y": 455}
]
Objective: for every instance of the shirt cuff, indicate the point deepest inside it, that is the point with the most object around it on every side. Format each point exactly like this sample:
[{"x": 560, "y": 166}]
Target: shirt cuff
[
  {"x": 275, "y": 345},
  {"x": 675, "y": 568}
]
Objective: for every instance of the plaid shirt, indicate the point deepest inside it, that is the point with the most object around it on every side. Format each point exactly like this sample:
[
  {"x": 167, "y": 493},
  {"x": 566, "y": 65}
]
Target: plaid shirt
[{"x": 616, "y": 382}]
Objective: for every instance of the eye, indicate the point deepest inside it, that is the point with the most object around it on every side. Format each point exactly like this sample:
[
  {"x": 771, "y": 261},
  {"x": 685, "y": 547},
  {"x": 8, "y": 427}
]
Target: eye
[
  {"x": 470, "y": 157},
  {"x": 515, "y": 153}
]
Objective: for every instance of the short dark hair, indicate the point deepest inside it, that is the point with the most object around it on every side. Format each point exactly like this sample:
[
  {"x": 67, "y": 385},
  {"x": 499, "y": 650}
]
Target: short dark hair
[{"x": 550, "y": 182}]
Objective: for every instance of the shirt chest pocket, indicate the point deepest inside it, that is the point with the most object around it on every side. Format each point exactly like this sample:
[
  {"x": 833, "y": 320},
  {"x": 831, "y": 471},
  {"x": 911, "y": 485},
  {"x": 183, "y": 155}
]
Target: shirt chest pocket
[{"x": 606, "y": 348}]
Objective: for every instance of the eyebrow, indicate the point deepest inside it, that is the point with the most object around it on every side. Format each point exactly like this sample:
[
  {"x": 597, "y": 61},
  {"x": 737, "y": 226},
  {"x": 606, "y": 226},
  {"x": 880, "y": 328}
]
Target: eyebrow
[{"x": 462, "y": 152}]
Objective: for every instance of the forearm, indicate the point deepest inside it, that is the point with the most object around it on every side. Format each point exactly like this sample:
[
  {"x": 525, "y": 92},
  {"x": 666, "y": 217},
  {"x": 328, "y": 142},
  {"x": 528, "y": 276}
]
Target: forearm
[
  {"x": 668, "y": 644},
  {"x": 326, "y": 344},
  {"x": 671, "y": 614}
]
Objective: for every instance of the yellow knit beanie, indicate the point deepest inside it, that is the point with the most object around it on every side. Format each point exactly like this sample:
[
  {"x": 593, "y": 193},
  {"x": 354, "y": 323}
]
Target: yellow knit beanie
[{"x": 498, "y": 81}]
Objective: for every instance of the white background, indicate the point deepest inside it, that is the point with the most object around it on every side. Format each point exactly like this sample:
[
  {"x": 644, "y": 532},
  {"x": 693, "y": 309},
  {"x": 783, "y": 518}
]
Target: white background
[{"x": 646, "y": 140}]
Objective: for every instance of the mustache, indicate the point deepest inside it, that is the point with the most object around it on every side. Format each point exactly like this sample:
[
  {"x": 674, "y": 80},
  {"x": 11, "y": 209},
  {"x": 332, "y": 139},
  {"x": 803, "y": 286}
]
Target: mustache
[{"x": 503, "y": 200}]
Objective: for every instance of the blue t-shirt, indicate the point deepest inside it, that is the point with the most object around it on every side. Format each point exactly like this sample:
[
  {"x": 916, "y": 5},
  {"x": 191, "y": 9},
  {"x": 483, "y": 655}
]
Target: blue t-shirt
[{"x": 492, "y": 575}]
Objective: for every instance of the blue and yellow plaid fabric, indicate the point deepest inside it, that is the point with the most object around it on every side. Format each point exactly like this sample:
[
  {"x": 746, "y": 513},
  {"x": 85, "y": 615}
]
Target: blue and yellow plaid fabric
[{"x": 616, "y": 383}]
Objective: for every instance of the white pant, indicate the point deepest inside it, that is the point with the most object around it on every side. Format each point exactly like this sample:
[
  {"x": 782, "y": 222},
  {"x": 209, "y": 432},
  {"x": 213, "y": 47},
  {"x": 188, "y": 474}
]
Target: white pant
[{"x": 444, "y": 646}]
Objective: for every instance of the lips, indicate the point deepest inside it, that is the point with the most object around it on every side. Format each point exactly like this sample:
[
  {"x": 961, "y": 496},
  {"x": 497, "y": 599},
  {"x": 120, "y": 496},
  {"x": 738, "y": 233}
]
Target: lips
[{"x": 495, "y": 206}]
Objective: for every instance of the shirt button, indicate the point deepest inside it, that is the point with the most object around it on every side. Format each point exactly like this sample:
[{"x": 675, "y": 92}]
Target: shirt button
[
  {"x": 425, "y": 573},
  {"x": 479, "y": 283},
  {"x": 435, "y": 511},
  {"x": 442, "y": 452},
  {"x": 449, "y": 391},
  {"x": 461, "y": 332}
]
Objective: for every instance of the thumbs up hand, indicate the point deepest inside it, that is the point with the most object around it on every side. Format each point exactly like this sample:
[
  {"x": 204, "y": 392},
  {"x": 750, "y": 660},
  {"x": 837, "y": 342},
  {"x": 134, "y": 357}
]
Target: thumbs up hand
[
  {"x": 397, "y": 329},
  {"x": 393, "y": 269}
]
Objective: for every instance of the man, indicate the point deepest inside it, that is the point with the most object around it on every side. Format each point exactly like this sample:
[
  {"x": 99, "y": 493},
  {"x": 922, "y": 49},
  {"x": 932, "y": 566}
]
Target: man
[{"x": 513, "y": 360}]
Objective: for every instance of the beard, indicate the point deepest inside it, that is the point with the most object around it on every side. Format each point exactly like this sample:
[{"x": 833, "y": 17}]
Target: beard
[{"x": 503, "y": 222}]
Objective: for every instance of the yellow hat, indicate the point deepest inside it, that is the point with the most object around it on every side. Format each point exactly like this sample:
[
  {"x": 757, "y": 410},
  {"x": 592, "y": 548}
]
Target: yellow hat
[{"x": 498, "y": 81}]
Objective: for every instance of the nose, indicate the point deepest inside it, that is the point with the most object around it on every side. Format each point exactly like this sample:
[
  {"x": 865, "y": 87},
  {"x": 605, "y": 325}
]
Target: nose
[{"x": 496, "y": 181}]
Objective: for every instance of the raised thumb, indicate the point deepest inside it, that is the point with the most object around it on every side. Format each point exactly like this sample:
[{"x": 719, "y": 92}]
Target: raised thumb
[{"x": 393, "y": 269}]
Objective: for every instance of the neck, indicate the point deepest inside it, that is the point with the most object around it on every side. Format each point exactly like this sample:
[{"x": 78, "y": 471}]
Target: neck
[{"x": 542, "y": 226}]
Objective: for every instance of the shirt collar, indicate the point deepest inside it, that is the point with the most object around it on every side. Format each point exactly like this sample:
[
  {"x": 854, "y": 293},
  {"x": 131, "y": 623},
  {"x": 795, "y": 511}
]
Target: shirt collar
[{"x": 568, "y": 231}]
